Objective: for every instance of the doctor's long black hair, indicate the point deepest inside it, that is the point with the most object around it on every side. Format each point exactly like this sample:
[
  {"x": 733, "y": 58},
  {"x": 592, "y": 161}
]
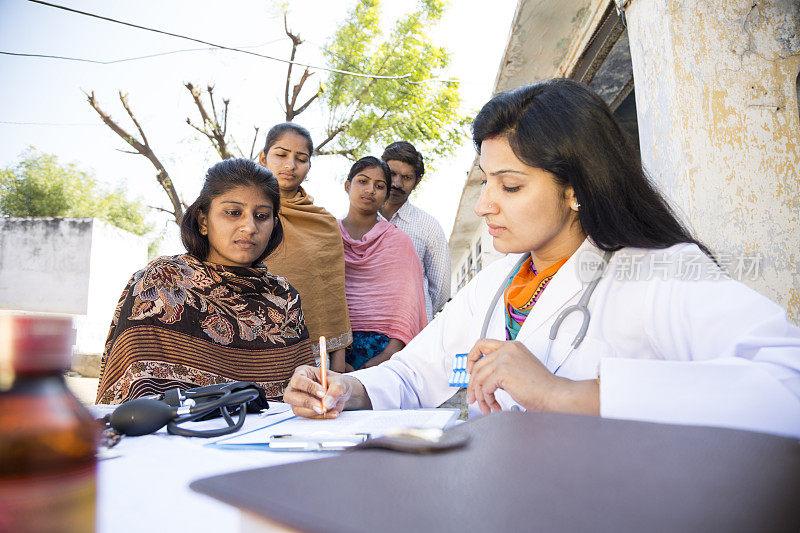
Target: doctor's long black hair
[{"x": 563, "y": 127}]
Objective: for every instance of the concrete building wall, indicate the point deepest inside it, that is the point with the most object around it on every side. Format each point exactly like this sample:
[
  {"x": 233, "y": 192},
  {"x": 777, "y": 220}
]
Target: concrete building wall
[
  {"x": 72, "y": 266},
  {"x": 719, "y": 128},
  {"x": 44, "y": 264}
]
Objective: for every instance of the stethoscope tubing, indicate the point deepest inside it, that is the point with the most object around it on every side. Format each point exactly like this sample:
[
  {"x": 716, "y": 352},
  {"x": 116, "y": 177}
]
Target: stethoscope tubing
[{"x": 582, "y": 306}]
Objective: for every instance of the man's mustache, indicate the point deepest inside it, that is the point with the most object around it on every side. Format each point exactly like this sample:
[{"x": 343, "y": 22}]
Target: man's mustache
[{"x": 397, "y": 190}]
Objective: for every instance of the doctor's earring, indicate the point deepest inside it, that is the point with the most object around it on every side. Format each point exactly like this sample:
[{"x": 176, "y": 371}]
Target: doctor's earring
[{"x": 576, "y": 206}]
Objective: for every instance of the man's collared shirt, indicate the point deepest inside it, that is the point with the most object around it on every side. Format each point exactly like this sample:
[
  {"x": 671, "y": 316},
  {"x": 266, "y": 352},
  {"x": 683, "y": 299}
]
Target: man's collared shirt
[{"x": 431, "y": 246}]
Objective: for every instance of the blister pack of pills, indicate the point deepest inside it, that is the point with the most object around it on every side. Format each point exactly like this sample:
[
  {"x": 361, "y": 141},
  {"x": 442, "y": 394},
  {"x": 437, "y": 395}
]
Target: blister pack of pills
[{"x": 459, "y": 376}]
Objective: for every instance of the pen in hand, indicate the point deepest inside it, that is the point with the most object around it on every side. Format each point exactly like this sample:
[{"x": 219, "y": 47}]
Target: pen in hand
[{"x": 323, "y": 363}]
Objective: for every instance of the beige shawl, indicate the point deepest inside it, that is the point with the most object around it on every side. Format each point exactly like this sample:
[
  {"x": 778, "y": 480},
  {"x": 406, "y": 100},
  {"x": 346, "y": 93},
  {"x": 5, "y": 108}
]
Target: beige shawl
[{"x": 311, "y": 258}]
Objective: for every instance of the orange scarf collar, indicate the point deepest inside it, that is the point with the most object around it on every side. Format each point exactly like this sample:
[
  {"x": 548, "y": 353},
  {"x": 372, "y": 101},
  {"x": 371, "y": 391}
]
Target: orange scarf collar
[{"x": 527, "y": 285}]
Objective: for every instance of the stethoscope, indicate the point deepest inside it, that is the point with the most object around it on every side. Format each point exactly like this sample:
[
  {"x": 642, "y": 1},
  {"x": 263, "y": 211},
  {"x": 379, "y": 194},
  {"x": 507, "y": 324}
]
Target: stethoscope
[{"x": 581, "y": 306}]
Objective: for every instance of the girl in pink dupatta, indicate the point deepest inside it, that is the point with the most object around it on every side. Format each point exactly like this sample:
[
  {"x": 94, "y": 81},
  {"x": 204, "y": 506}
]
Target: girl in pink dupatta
[{"x": 383, "y": 275}]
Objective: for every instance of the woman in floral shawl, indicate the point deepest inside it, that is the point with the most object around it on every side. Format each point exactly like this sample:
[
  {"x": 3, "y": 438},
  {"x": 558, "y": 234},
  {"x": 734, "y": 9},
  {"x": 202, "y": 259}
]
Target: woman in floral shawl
[{"x": 215, "y": 314}]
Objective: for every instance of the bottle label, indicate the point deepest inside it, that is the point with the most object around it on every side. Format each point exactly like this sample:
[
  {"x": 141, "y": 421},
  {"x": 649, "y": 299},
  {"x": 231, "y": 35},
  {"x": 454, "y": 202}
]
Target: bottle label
[{"x": 65, "y": 502}]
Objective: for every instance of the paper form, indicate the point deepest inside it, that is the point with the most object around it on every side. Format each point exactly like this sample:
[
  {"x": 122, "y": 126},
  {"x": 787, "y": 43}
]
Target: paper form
[{"x": 376, "y": 423}]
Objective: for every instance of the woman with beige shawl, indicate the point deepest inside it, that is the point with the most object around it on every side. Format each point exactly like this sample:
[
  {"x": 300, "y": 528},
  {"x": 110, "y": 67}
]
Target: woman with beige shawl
[{"x": 311, "y": 256}]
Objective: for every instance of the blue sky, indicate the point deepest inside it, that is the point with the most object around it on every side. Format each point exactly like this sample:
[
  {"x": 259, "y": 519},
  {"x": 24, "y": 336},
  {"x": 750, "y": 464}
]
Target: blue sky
[{"x": 46, "y": 95}]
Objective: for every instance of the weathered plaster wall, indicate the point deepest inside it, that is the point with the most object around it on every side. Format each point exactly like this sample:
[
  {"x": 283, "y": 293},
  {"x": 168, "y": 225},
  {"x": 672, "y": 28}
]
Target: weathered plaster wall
[
  {"x": 719, "y": 128},
  {"x": 72, "y": 266},
  {"x": 544, "y": 35},
  {"x": 44, "y": 264}
]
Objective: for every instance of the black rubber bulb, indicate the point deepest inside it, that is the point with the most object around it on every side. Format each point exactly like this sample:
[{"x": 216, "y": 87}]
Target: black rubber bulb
[{"x": 141, "y": 416}]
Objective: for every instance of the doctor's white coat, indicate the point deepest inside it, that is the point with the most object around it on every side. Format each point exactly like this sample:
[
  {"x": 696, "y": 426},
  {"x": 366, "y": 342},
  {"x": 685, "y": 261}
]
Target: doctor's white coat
[{"x": 672, "y": 338}]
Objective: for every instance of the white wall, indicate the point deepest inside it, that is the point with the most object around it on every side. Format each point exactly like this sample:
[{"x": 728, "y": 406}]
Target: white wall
[
  {"x": 72, "y": 266},
  {"x": 44, "y": 264},
  {"x": 115, "y": 255}
]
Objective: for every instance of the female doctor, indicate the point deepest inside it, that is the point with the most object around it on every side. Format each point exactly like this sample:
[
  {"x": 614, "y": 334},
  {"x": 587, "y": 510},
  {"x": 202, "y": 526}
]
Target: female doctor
[{"x": 613, "y": 308}]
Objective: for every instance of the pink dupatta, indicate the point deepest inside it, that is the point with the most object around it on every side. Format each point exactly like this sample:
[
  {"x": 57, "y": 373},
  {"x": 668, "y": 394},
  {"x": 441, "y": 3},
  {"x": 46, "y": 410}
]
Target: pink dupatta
[{"x": 383, "y": 283}]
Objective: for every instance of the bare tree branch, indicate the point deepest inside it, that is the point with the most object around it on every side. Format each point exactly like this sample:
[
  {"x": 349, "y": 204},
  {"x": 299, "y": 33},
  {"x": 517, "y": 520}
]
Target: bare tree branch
[
  {"x": 210, "y": 90},
  {"x": 201, "y": 130},
  {"x": 255, "y": 138},
  {"x": 142, "y": 147},
  {"x": 156, "y": 208},
  {"x": 350, "y": 154},
  {"x": 308, "y": 102},
  {"x": 225, "y": 116},
  {"x": 126, "y": 151},
  {"x": 331, "y": 134},
  {"x": 290, "y": 103},
  {"x": 124, "y": 99},
  {"x": 196, "y": 94},
  {"x": 296, "y": 41},
  {"x": 296, "y": 89},
  {"x": 211, "y": 128},
  {"x": 296, "y": 92}
]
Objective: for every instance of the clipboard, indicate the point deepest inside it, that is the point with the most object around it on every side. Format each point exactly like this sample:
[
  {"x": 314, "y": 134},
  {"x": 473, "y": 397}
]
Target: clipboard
[{"x": 538, "y": 471}]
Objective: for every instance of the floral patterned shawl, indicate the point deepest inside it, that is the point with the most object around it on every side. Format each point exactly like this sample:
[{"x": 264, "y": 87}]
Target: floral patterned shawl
[{"x": 185, "y": 323}]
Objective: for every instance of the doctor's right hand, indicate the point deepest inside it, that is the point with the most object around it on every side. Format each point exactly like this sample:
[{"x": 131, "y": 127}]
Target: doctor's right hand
[{"x": 306, "y": 396}]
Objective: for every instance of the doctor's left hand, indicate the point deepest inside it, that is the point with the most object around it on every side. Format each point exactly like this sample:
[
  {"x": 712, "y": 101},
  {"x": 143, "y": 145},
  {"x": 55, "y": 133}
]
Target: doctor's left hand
[{"x": 510, "y": 366}]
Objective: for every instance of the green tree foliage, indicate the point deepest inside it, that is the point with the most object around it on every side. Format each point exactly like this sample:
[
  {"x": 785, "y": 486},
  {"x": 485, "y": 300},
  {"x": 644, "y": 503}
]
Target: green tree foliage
[
  {"x": 39, "y": 186},
  {"x": 366, "y": 112}
]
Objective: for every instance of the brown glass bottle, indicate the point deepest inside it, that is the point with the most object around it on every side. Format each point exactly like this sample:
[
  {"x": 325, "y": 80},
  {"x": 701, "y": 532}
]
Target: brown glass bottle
[{"x": 48, "y": 440}]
